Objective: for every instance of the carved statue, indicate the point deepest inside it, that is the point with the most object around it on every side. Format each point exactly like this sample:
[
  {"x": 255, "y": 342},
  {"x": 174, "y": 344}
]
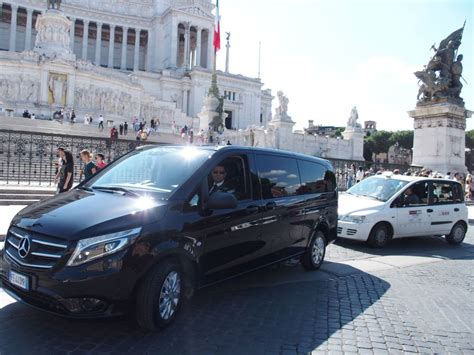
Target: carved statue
[
  {"x": 57, "y": 87},
  {"x": 282, "y": 110},
  {"x": 54, "y": 4},
  {"x": 441, "y": 77},
  {"x": 352, "y": 120}
]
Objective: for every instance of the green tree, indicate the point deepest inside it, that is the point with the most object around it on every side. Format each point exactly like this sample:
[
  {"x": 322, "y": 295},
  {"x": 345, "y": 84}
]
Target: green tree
[
  {"x": 404, "y": 139},
  {"x": 470, "y": 139},
  {"x": 381, "y": 141},
  {"x": 338, "y": 132}
]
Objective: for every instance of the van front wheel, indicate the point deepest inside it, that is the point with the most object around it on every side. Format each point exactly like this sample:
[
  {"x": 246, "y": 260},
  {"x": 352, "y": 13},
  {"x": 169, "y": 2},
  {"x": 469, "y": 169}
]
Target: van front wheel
[
  {"x": 160, "y": 295},
  {"x": 314, "y": 255}
]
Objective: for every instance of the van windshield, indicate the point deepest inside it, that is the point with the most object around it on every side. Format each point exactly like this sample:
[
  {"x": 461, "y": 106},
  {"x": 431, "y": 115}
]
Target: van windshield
[
  {"x": 160, "y": 170},
  {"x": 379, "y": 188}
]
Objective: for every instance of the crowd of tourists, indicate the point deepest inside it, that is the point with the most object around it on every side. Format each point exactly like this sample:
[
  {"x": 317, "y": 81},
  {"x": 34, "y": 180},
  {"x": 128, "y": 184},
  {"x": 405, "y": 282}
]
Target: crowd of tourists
[{"x": 64, "y": 177}]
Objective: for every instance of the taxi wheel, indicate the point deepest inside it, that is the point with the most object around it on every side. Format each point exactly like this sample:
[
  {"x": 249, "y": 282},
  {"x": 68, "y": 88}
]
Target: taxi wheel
[
  {"x": 314, "y": 255},
  {"x": 160, "y": 295},
  {"x": 380, "y": 235},
  {"x": 457, "y": 235}
]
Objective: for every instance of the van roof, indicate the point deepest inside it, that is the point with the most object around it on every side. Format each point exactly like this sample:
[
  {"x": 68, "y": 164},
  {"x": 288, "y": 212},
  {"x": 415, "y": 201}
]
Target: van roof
[{"x": 245, "y": 148}]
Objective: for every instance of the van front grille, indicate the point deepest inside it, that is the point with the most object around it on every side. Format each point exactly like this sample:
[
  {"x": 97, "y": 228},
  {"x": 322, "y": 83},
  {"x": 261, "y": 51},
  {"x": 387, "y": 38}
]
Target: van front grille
[{"x": 33, "y": 250}]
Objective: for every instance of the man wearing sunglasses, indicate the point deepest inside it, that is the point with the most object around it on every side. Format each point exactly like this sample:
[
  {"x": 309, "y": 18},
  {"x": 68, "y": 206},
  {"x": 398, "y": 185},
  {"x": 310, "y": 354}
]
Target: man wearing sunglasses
[{"x": 220, "y": 184}]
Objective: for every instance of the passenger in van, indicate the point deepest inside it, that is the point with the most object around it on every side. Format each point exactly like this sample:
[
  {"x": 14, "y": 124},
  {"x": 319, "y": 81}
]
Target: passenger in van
[
  {"x": 410, "y": 198},
  {"x": 220, "y": 181}
]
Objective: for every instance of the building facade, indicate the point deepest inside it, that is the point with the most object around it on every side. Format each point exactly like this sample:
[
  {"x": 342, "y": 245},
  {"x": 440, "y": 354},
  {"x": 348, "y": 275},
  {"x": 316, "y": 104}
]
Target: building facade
[{"x": 144, "y": 58}]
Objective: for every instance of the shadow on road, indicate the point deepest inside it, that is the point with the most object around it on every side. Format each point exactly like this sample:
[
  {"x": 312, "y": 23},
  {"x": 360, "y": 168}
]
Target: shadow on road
[
  {"x": 414, "y": 246},
  {"x": 294, "y": 310}
]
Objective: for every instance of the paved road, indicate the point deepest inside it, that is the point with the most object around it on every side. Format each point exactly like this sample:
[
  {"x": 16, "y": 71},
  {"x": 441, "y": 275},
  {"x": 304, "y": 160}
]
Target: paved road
[{"x": 414, "y": 296}]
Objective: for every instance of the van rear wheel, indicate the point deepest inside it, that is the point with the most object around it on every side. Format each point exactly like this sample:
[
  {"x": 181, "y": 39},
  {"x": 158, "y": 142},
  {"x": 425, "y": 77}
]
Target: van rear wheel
[
  {"x": 313, "y": 258},
  {"x": 160, "y": 295}
]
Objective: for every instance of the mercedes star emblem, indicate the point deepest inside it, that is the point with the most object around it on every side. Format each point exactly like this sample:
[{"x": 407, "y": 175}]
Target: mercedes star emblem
[{"x": 24, "y": 247}]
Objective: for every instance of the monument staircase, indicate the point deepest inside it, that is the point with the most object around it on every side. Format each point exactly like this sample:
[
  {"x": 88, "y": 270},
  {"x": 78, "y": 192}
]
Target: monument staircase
[{"x": 23, "y": 195}]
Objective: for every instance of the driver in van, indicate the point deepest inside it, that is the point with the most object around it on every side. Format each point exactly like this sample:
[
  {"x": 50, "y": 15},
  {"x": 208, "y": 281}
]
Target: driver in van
[
  {"x": 410, "y": 198},
  {"x": 220, "y": 184}
]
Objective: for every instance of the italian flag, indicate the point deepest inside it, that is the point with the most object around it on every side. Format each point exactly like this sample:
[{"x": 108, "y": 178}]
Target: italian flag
[{"x": 217, "y": 29}]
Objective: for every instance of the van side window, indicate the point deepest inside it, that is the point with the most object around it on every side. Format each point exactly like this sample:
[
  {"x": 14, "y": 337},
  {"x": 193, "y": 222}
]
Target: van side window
[
  {"x": 235, "y": 179},
  {"x": 315, "y": 178},
  {"x": 279, "y": 176},
  {"x": 445, "y": 193},
  {"x": 416, "y": 194}
]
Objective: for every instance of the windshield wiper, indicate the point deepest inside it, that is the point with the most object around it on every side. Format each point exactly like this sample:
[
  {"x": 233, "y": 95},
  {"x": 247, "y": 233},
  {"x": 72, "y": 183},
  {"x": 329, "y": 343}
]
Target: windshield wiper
[
  {"x": 116, "y": 189},
  {"x": 85, "y": 188}
]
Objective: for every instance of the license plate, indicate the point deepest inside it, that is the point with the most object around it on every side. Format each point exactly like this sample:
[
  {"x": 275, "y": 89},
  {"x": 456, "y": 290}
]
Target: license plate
[{"x": 18, "y": 280}]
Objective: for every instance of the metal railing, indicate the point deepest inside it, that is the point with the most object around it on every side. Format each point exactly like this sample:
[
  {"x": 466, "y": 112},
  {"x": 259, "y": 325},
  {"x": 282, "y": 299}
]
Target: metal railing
[{"x": 29, "y": 158}]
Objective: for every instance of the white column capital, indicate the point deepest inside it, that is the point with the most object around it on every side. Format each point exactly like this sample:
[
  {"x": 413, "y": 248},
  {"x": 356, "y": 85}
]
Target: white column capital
[
  {"x": 29, "y": 10},
  {"x": 86, "y": 22},
  {"x": 112, "y": 26},
  {"x": 138, "y": 30},
  {"x": 99, "y": 24},
  {"x": 14, "y": 7}
]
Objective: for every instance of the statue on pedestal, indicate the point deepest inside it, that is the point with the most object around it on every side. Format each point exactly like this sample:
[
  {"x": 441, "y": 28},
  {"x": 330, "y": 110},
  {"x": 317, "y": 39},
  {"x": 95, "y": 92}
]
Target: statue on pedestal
[
  {"x": 441, "y": 77},
  {"x": 54, "y": 4},
  {"x": 352, "y": 124},
  {"x": 282, "y": 110}
]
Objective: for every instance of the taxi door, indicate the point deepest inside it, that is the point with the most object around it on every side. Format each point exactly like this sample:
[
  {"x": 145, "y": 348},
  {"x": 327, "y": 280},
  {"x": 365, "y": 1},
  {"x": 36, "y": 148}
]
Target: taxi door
[
  {"x": 447, "y": 206},
  {"x": 414, "y": 219}
]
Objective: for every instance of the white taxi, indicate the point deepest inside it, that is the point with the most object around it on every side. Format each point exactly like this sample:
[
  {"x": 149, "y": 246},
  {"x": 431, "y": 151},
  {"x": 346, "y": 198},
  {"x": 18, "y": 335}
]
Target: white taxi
[{"x": 385, "y": 207}]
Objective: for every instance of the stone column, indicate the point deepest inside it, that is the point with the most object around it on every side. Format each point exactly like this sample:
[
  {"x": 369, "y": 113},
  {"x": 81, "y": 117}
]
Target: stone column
[
  {"x": 174, "y": 43},
  {"x": 111, "y": 46},
  {"x": 186, "y": 45},
  {"x": 198, "y": 47},
  {"x": 29, "y": 19},
  {"x": 123, "y": 62},
  {"x": 185, "y": 102},
  {"x": 72, "y": 32},
  {"x": 13, "y": 28},
  {"x": 85, "y": 39},
  {"x": 149, "y": 50},
  {"x": 227, "y": 50},
  {"x": 98, "y": 44},
  {"x": 136, "y": 54},
  {"x": 210, "y": 50},
  {"x": 44, "y": 87}
]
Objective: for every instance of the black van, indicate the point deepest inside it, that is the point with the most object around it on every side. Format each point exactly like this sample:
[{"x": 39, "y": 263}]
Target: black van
[{"x": 162, "y": 221}]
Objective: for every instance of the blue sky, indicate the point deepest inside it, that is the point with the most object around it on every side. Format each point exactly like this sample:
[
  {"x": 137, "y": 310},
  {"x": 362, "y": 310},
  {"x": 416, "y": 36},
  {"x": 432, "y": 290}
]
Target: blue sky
[{"x": 330, "y": 55}]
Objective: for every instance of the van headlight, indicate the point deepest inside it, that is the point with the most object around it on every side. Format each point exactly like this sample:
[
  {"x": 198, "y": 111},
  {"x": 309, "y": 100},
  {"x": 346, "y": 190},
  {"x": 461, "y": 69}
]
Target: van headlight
[
  {"x": 97, "y": 247},
  {"x": 353, "y": 219}
]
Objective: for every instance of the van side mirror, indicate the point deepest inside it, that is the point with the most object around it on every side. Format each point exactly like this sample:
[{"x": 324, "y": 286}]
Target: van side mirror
[{"x": 221, "y": 201}]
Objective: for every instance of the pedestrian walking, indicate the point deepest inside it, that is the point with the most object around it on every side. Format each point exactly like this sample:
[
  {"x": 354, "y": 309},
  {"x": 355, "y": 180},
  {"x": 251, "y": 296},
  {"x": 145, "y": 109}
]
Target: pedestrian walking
[
  {"x": 66, "y": 172},
  {"x": 125, "y": 128},
  {"x": 89, "y": 168},
  {"x": 101, "y": 122},
  {"x": 100, "y": 161},
  {"x": 73, "y": 117},
  {"x": 360, "y": 174},
  {"x": 121, "y": 129}
]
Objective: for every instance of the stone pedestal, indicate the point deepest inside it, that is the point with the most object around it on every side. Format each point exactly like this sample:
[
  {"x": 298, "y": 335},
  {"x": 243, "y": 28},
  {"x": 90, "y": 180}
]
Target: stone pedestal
[
  {"x": 439, "y": 139},
  {"x": 208, "y": 112},
  {"x": 282, "y": 125},
  {"x": 357, "y": 139},
  {"x": 53, "y": 39}
]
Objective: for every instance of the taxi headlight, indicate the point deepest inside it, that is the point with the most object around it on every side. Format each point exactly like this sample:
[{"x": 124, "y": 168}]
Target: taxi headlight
[
  {"x": 353, "y": 219},
  {"x": 97, "y": 247}
]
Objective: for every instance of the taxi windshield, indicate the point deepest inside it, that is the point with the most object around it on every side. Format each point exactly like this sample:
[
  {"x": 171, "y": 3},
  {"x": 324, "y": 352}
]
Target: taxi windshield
[
  {"x": 379, "y": 188},
  {"x": 159, "y": 171}
]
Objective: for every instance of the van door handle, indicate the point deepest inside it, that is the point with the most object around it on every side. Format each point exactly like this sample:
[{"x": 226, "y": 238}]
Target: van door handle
[
  {"x": 270, "y": 206},
  {"x": 252, "y": 209},
  {"x": 429, "y": 210},
  {"x": 456, "y": 210}
]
